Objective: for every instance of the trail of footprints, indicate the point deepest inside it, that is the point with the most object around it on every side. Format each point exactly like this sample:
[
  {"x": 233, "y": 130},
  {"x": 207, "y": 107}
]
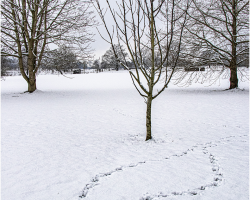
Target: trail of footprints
[
  {"x": 122, "y": 113},
  {"x": 215, "y": 167}
]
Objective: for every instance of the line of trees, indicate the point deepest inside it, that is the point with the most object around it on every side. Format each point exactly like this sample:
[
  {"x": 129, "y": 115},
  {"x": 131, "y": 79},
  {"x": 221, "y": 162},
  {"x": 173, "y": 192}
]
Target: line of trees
[
  {"x": 7, "y": 64},
  {"x": 109, "y": 62}
]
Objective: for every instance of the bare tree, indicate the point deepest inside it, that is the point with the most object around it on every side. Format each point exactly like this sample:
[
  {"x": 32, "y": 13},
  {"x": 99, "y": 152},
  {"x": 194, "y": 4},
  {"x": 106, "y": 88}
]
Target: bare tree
[
  {"x": 139, "y": 27},
  {"x": 221, "y": 28},
  {"x": 28, "y": 26},
  {"x": 96, "y": 65},
  {"x": 62, "y": 60},
  {"x": 85, "y": 66},
  {"x": 109, "y": 57}
]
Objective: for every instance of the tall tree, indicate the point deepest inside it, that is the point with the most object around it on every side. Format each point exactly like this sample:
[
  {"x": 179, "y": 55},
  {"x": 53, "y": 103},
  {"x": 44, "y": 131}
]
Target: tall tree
[
  {"x": 28, "y": 26},
  {"x": 62, "y": 60},
  {"x": 221, "y": 27},
  {"x": 96, "y": 65},
  {"x": 109, "y": 58},
  {"x": 138, "y": 26}
]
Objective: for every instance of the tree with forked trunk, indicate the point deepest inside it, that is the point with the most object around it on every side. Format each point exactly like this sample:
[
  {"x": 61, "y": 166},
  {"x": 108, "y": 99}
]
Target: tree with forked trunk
[
  {"x": 148, "y": 29},
  {"x": 28, "y": 26}
]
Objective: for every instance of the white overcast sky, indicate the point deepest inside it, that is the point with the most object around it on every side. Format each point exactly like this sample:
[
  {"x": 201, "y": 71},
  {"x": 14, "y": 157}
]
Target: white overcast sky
[{"x": 100, "y": 46}]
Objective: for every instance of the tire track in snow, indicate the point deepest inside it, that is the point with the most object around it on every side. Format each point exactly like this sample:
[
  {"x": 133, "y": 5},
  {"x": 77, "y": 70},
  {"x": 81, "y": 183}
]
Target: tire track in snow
[{"x": 215, "y": 167}]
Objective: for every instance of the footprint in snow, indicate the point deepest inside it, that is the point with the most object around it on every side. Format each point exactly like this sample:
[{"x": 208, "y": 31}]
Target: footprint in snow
[
  {"x": 123, "y": 173},
  {"x": 143, "y": 169}
]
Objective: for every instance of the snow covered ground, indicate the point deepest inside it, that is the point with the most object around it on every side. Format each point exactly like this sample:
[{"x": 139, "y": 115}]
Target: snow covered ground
[{"x": 83, "y": 138}]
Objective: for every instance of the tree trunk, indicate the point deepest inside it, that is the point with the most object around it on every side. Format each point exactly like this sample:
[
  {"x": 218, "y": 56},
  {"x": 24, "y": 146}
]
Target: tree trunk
[
  {"x": 116, "y": 67},
  {"x": 233, "y": 78},
  {"x": 151, "y": 83},
  {"x": 233, "y": 64},
  {"x": 32, "y": 82},
  {"x": 148, "y": 117}
]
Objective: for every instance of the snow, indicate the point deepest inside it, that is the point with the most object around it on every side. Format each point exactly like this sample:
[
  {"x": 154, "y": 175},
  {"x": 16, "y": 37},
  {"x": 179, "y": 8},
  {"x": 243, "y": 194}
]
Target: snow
[{"x": 83, "y": 138}]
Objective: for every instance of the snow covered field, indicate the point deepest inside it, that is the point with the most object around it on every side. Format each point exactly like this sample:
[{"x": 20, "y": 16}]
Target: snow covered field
[{"x": 83, "y": 138}]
